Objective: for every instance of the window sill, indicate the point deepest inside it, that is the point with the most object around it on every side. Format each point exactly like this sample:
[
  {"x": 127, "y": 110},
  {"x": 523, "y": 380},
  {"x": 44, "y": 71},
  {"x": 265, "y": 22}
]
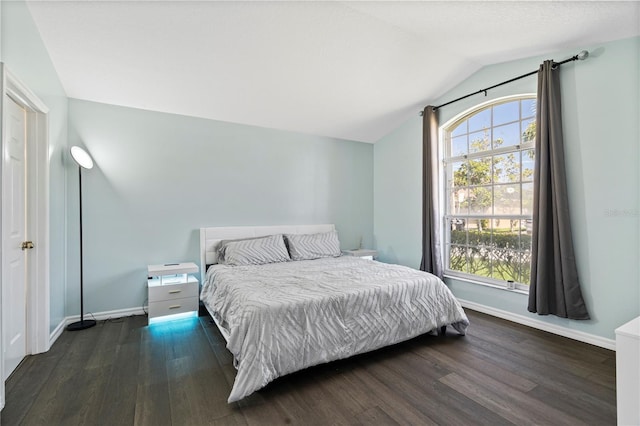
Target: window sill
[{"x": 485, "y": 284}]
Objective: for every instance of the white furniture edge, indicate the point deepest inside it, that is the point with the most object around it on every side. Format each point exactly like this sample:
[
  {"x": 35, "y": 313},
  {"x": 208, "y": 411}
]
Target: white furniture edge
[
  {"x": 211, "y": 237},
  {"x": 628, "y": 372},
  {"x": 172, "y": 269},
  {"x": 580, "y": 336},
  {"x": 157, "y": 281},
  {"x": 630, "y": 329}
]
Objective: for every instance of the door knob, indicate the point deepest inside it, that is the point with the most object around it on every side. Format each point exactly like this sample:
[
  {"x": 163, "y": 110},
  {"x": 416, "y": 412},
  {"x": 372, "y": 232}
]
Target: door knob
[{"x": 27, "y": 245}]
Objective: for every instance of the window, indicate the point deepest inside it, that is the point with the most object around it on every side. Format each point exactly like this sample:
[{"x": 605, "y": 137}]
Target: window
[{"x": 489, "y": 163}]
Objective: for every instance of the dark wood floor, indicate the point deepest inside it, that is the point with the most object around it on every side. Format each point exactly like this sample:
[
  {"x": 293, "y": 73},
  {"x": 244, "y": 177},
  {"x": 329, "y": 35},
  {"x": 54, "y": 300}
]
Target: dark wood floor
[{"x": 125, "y": 373}]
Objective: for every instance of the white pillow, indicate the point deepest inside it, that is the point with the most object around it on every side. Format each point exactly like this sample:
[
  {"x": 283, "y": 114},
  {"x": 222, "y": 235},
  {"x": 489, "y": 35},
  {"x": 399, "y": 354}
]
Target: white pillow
[
  {"x": 256, "y": 251},
  {"x": 313, "y": 246}
]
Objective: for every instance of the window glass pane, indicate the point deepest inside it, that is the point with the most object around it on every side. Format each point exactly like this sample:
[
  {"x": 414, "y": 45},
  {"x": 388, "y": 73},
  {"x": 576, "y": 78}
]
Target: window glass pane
[
  {"x": 506, "y": 113},
  {"x": 459, "y": 146},
  {"x": 506, "y": 168},
  {"x": 528, "y": 161},
  {"x": 525, "y": 268},
  {"x": 507, "y": 237},
  {"x": 479, "y": 233},
  {"x": 460, "y": 129},
  {"x": 480, "y": 200},
  {"x": 480, "y": 121},
  {"x": 508, "y": 135},
  {"x": 480, "y": 248},
  {"x": 458, "y": 258},
  {"x": 479, "y": 141},
  {"x": 528, "y": 130},
  {"x": 480, "y": 260},
  {"x": 505, "y": 264},
  {"x": 527, "y": 198},
  {"x": 513, "y": 226},
  {"x": 458, "y": 230},
  {"x": 526, "y": 229},
  {"x": 459, "y": 173},
  {"x": 506, "y": 200},
  {"x": 528, "y": 107},
  {"x": 505, "y": 254},
  {"x": 517, "y": 226},
  {"x": 500, "y": 226},
  {"x": 459, "y": 201},
  {"x": 479, "y": 171}
]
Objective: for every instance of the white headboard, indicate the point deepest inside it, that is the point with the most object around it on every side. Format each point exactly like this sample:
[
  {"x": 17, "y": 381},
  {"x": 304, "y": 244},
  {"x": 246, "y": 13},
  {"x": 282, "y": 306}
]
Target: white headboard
[{"x": 210, "y": 237}]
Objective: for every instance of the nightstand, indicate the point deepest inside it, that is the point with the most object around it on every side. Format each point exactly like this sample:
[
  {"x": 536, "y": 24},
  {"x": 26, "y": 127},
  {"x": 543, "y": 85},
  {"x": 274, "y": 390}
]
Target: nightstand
[
  {"x": 172, "y": 291},
  {"x": 363, "y": 253}
]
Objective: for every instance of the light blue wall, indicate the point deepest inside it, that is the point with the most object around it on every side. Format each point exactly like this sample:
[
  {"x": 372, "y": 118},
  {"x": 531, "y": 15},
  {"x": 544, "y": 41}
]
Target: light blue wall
[
  {"x": 397, "y": 195},
  {"x": 159, "y": 177},
  {"x": 27, "y": 58},
  {"x": 601, "y": 99}
]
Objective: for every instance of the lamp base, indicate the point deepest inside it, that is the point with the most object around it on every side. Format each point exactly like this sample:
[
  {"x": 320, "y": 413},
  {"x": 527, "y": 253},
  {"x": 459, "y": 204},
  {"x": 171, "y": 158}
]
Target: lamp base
[{"x": 81, "y": 325}]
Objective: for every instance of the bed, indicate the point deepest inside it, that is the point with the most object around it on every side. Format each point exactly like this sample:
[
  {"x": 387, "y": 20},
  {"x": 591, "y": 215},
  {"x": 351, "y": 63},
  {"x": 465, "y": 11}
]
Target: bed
[{"x": 283, "y": 316}]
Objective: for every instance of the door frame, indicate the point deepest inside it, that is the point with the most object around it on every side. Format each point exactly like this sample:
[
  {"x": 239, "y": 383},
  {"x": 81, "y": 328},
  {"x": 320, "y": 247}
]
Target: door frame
[{"x": 37, "y": 216}]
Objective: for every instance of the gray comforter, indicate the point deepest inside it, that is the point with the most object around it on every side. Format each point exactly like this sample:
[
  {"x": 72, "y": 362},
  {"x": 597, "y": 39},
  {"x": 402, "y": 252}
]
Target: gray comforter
[{"x": 284, "y": 317}]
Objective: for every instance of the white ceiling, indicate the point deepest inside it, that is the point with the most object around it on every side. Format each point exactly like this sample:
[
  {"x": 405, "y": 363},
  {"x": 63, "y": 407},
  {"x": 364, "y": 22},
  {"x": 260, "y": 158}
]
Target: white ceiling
[{"x": 352, "y": 70}]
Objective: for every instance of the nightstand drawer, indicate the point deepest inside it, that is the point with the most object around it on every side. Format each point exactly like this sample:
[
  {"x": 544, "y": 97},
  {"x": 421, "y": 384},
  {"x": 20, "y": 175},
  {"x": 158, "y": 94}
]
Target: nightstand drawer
[
  {"x": 173, "y": 291},
  {"x": 170, "y": 307}
]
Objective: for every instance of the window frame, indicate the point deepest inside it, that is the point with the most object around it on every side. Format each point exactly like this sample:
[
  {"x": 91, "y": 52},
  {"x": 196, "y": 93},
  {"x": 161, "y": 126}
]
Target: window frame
[{"x": 444, "y": 183}]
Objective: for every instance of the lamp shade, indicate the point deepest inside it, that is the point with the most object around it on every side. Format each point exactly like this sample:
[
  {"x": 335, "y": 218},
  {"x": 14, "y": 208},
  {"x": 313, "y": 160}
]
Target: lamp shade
[{"x": 81, "y": 157}]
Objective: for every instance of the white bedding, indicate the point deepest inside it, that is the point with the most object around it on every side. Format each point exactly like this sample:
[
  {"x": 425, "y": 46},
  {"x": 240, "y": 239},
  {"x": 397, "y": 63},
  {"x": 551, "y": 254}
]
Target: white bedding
[{"x": 284, "y": 317}]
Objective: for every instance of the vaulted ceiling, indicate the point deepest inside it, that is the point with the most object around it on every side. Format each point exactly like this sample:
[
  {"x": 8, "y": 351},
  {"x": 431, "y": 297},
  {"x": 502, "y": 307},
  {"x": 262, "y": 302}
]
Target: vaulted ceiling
[{"x": 345, "y": 69}]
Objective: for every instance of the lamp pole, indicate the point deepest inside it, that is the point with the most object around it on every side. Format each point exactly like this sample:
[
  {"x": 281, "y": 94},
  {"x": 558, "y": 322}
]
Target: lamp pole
[{"x": 84, "y": 161}]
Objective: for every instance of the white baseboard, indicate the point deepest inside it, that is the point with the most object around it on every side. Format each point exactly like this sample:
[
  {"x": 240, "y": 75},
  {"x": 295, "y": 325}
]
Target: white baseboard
[
  {"x": 581, "y": 336},
  {"x": 98, "y": 316},
  {"x": 57, "y": 332}
]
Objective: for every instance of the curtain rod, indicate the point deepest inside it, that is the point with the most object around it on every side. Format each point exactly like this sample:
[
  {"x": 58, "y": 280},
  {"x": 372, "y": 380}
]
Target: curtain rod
[{"x": 580, "y": 56}]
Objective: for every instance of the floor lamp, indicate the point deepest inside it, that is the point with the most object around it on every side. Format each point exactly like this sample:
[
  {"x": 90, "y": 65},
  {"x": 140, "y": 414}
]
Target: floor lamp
[{"x": 84, "y": 161}]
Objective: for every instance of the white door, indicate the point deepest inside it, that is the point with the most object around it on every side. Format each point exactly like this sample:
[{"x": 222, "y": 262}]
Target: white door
[{"x": 14, "y": 296}]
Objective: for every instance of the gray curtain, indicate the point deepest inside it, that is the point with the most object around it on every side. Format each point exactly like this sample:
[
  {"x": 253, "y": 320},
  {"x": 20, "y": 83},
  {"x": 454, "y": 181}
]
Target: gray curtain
[
  {"x": 555, "y": 288},
  {"x": 431, "y": 255}
]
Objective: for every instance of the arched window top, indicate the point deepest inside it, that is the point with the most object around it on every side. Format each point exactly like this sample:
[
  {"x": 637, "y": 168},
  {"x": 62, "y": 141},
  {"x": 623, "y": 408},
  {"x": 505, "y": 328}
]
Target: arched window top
[{"x": 499, "y": 124}]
